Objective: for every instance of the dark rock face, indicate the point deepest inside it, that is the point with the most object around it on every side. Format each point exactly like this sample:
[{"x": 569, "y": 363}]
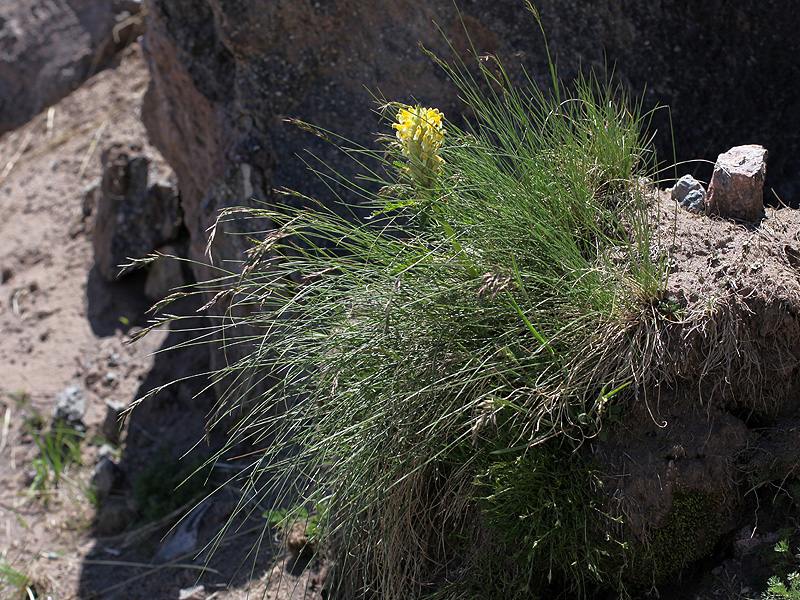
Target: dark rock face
[
  {"x": 48, "y": 48},
  {"x": 227, "y": 74}
]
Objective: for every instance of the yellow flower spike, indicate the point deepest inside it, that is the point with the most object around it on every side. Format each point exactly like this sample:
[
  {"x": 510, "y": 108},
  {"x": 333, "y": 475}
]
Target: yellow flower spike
[{"x": 420, "y": 133}]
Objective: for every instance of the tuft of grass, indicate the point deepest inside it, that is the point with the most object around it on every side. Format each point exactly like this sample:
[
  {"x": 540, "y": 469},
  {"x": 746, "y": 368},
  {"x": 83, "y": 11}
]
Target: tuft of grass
[
  {"x": 545, "y": 507},
  {"x": 15, "y": 584},
  {"x": 445, "y": 358},
  {"x": 59, "y": 449},
  {"x": 167, "y": 484}
]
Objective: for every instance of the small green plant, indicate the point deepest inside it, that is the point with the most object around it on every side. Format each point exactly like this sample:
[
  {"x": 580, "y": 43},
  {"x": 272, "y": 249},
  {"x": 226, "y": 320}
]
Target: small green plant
[
  {"x": 167, "y": 483},
  {"x": 59, "y": 449},
  {"x": 15, "y": 584},
  {"x": 283, "y": 519},
  {"x": 778, "y": 590},
  {"x": 786, "y": 568}
]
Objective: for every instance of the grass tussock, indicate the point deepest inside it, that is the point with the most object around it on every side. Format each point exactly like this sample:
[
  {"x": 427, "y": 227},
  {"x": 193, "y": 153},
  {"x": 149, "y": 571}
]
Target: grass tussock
[{"x": 439, "y": 363}]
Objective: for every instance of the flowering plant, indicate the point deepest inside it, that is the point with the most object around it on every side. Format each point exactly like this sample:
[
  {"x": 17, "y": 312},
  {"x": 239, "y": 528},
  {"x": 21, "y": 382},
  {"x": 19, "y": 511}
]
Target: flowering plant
[{"x": 420, "y": 133}]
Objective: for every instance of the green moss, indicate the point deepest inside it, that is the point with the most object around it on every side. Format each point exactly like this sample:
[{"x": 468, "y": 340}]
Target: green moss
[{"x": 689, "y": 533}]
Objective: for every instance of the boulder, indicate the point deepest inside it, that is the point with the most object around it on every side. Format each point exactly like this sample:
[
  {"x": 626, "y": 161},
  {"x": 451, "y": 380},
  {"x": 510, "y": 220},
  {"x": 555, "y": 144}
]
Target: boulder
[
  {"x": 737, "y": 186},
  {"x": 138, "y": 209},
  {"x": 49, "y": 48},
  {"x": 106, "y": 478}
]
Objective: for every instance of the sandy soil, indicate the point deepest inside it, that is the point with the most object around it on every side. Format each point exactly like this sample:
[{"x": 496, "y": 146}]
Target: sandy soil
[{"x": 62, "y": 325}]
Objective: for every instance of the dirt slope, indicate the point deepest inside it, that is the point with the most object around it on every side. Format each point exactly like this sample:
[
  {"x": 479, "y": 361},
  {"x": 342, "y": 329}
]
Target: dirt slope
[{"x": 61, "y": 325}]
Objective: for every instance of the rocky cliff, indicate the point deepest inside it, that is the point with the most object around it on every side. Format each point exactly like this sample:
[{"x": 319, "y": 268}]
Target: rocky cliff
[
  {"x": 227, "y": 74},
  {"x": 47, "y": 49}
]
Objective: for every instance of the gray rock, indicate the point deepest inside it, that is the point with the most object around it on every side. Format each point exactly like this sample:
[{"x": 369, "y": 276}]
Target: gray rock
[
  {"x": 90, "y": 195},
  {"x": 112, "y": 424},
  {"x": 113, "y": 516},
  {"x": 695, "y": 201},
  {"x": 106, "y": 478},
  {"x": 184, "y": 537},
  {"x": 137, "y": 210},
  {"x": 105, "y": 451},
  {"x": 70, "y": 407},
  {"x": 689, "y": 194},
  {"x": 737, "y": 186},
  {"x": 164, "y": 275}
]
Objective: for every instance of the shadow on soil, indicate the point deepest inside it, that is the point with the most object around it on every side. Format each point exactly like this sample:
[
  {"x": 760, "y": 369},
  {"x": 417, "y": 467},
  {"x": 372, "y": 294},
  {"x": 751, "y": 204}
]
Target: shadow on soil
[
  {"x": 118, "y": 305},
  {"x": 149, "y": 543}
]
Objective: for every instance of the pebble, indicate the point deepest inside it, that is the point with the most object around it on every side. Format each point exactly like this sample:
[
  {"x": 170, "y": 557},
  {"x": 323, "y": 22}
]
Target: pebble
[
  {"x": 197, "y": 592},
  {"x": 70, "y": 406}
]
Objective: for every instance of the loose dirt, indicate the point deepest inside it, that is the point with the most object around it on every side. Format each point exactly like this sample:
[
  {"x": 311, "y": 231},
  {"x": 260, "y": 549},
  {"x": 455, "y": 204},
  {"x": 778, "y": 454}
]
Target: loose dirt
[{"x": 61, "y": 324}]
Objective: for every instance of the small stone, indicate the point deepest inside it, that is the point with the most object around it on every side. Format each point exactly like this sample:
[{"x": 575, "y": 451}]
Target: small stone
[
  {"x": 70, "y": 407},
  {"x": 689, "y": 194},
  {"x": 112, "y": 424},
  {"x": 90, "y": 194},
  {"x": 197, "y": 592},
  {"x": 677, "y": 451},
  {"x": 106, "y": 478},
  {"x": 737, "y": 185},
  {"x": 183, "y": 539},
  {"x": 695, "y": 202},
  {"x": 29, "y": 476},
  {"x": 105, "y": 451},
  {"x": 298, "y": 544},
  {"x": 113, "y": 517}
]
